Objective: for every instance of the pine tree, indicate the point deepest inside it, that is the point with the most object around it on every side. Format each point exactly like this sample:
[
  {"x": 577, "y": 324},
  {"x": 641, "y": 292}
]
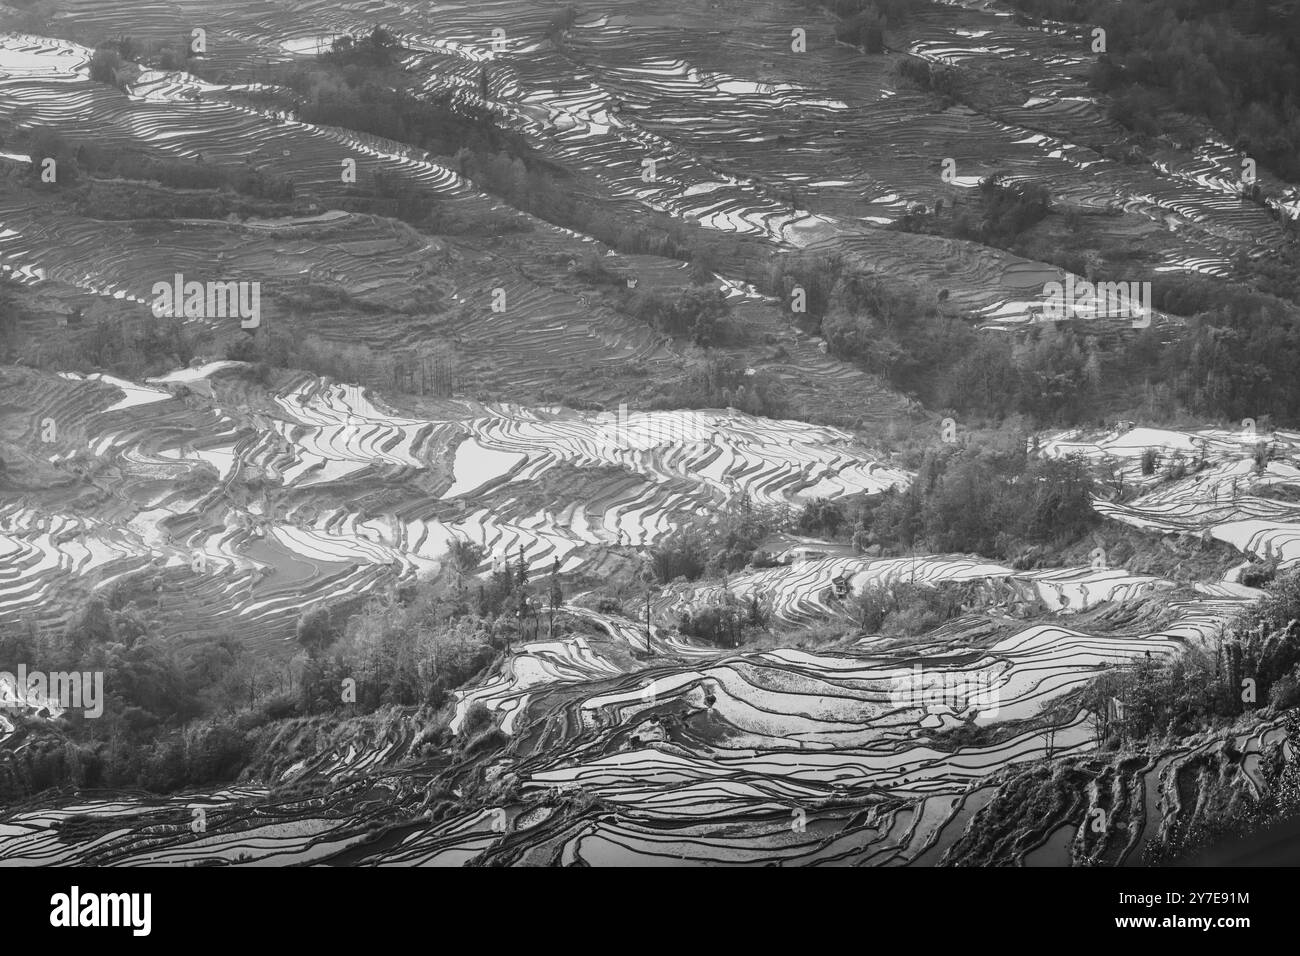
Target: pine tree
[{"x": 557, "y": 596}]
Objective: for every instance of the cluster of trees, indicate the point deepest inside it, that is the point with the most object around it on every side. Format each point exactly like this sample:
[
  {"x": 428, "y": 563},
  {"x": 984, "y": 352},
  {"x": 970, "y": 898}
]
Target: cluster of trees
[
  {"x": 817, "y": 277},
  {"x": 684, "y": 554},
  {"x": 1265, "y": 644},
  {"x": 723, "y": 382},
  {"x": 105, "y": 66},
  {"x": 986, "y": 502},
  {"x": 1225, "y": 816},
  {"x": 1230, "y": 360},
  {"x": 1053, "y": 374},
  {"x": 413, "y": 371},
  {"x": 360, "y": 85},
  {"x": 1255, "y": 664},
  {"x": 1156, "y": 698},
  {"x": 113, "y": 62},
  {"x": 964, "y": 499},
  {"x": 697, "y": 312},
  {"x": 728, "y": 544},
  {"x": 1237, "y": 361},
  {"x": 821, "y": 517},
  {"x": 1234, "y": 62},
  {"x": 12, "y": 312},
  {"x": 378, "y": 49},
  {"x": 942, "y": 79},
  {"x": 367, "y": 100},
  {"x": 999, "y": 213},
  {"x": 1009, "y": 209},
  {"x": 182, "y": 714},
  {"x": 109, "y": 60},
  {"x": 863, "y": 22},
  {"x": 73, "y": 158},
  {"x": 994, "y": 503},
  {"x": 889, "y": 331},
  {"x": 402, "y": 649},
  {"x": 152, "y": 688},
  {"x": 728, "y": 623},
  {"x": 908, "y": 609},
  {"x": 134, "y": 350}
]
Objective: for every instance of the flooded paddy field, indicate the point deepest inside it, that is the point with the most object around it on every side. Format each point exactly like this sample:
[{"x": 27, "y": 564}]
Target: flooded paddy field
[{"x": 463, "y": 386}]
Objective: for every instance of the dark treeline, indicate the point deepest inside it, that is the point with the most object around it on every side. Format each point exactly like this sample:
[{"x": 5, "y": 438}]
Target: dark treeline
[
  {"x": 998, "y": 214},
  {"x": 998, "y": 504},
  {"x": 698, "y": 312},
  {"x": 908, "y": 609},
  {"x": 13, "y": 312},
  {"x": 1254, "y": 666},
  {"x": 430, "y": 370},
  {"x": 113, "y": 61},
  {"x": 132, "y": 350},
  {"x": 863, "y": 22},
  {"x": 184, "y": 714},
  {"x": 1053, "y": 374},
  {"x": 728, "y": 544},
  {"x": 1256, "y": 663},
  {"x": 1233, "y": 359},
  {"x": 947, "y": 81},
  {"x": 75, "y": 157},
  {"x": 1002, "y": 504},
  {"x": 1234, "y": 62},
  {"x": 722, "y": 382},
  {"x": 360, "y": 85}
]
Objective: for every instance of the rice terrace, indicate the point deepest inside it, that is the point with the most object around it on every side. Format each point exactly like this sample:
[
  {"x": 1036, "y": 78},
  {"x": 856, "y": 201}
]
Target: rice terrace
[{"x": 648, "y": 432}]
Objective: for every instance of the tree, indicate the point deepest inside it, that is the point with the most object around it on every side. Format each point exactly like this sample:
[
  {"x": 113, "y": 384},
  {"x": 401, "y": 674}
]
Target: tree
[
  {"x": 1150, "y": 457},
  {"x": 556, "y": 593},
  {"x": 465, "y": 555},
  {"x": 104, "y": 66},
  {"x": 316, "y": 631},
  {"x": 47, "y": 144},
  {"x": 681, "y": 555}
]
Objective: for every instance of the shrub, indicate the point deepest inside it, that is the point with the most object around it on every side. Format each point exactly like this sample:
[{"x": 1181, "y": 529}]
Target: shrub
[
  {"x": 717, "y": 624},
  {"x": 681, "y": 556},
  {"x": 1285, "y": 692},
  {"x": 104, "y": 64},
  {"x": 477, "y": 718},
  {"x": 316, "y": 631}
]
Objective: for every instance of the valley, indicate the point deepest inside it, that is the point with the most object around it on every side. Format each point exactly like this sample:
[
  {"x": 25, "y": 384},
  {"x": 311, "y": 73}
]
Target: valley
[{"x": 649, "y": 450}]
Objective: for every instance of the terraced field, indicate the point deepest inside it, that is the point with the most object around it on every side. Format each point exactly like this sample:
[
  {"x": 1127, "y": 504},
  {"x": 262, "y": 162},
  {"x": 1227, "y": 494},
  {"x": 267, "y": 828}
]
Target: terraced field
[
  {"x": 271, "y": 479},
  {"x": 696, "y": 753},
  {"x": 228, "y": 498},
  {"x": 728, "y": 149}
]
